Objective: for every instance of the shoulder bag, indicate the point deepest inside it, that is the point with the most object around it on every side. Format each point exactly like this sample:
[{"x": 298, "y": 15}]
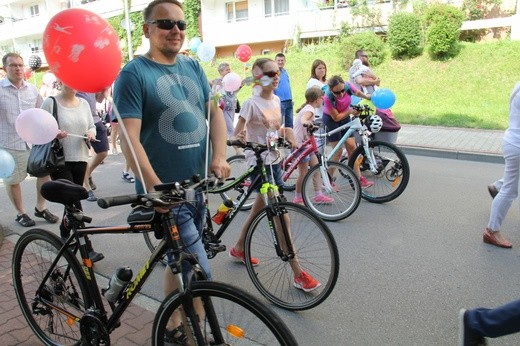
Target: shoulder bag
[{"x": 45, "y": 159}]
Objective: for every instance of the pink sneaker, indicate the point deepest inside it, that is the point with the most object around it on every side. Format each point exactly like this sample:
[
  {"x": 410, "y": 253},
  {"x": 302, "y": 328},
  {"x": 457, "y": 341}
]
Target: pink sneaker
[
  {"x": 241, "y": 256},
  {"x": 298, "y": 200},
  {"x": 306, "y": 282},
  {"x": 365, "y": 183},
  {"x": 321, "y": 198}
]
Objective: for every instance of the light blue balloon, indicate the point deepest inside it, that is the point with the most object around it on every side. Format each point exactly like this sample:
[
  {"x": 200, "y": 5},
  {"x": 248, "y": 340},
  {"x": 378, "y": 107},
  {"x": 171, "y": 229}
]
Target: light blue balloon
[
  {"x": 355, "y": 100},
  {"x": 206, "y": 52},
  {"x": 6, "y": 164},
  {"x": 383, "y": 98},
  {"x": 194, "y": 44}
]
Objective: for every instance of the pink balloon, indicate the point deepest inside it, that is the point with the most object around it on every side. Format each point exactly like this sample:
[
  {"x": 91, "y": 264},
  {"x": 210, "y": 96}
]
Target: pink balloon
[
  {"x": 231, "y": 82},
  {"x": 36, "y": 126},
  {"x": 82, "y": 50}
]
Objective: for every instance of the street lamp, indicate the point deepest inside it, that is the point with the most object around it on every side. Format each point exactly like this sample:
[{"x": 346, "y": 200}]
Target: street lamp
[{"x": 128, "y": 31}]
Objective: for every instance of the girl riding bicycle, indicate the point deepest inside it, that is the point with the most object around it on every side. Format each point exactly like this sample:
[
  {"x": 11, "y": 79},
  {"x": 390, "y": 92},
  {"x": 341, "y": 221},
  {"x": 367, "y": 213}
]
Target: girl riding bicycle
[
  {"x": 306, "y": 116},
  {"x": 261, "y": 115}
]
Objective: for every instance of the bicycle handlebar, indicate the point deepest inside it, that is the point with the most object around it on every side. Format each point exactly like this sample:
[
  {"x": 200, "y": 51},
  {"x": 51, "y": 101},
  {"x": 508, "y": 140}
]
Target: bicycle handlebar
[
  {"x": 166, "y": 195},
  {"x": 256, "y": 147}
]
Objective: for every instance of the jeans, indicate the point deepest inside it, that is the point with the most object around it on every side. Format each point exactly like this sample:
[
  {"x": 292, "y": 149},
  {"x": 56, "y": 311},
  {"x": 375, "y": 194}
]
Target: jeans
[
  {"x": 287, "y": 113},
  {"x": 509, "y": 191},
  {"x": 189, "y": 220},
  {"x": 496, "y": 322}
]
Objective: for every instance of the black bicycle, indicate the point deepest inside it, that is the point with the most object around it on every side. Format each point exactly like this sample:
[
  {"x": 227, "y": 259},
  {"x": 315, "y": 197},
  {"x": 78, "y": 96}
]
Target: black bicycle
[
  {"x": 63, "y": 304},
  {"x": 284, "y": 237}
]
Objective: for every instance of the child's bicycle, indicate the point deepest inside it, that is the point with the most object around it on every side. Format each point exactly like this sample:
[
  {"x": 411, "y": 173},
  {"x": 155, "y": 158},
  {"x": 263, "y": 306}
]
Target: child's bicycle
[
  {"x": 331, "y": 194},
  {"x": 281, "y": 236},
  {"x": 63, "y": 304},
  {"x": 380, "y": 162}
]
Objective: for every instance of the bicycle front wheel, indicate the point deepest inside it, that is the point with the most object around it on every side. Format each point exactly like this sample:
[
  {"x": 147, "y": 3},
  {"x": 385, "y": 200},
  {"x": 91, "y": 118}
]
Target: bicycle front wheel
[
  {"x": 334, "y": 201},
  {"x": 314, "y": 249},
  {"x": 54, "y": 311},
  {"x": 226, "y": 315},
  {"x": 392, "y": 171}
]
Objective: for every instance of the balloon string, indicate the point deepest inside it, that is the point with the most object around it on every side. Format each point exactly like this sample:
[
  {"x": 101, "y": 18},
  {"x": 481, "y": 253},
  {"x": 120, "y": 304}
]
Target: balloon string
[
  {"x": 127, "y": 138},
  {"x": 84, "y": 137}
]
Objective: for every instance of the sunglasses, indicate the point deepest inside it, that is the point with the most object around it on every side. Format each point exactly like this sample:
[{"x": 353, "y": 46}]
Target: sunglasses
[
  {"x": 271, "y": 74},
  {"x": 168, "y": 24},
  {"x": 338, "y": 92}
]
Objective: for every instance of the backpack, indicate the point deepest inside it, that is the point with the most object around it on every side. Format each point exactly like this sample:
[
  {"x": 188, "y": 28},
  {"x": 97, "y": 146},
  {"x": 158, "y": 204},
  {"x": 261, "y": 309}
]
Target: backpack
[{"x": 331, "y": 96}]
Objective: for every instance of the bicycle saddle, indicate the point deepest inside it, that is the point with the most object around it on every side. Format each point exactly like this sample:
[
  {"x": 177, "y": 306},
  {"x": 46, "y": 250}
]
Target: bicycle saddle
[{"x": 63, "y": 191}]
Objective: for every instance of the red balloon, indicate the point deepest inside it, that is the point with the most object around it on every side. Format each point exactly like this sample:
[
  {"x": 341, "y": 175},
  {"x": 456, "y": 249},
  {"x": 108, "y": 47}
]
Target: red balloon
[
  {"x": 82, "y": 50},
  {"x": 244, "y": 52}
]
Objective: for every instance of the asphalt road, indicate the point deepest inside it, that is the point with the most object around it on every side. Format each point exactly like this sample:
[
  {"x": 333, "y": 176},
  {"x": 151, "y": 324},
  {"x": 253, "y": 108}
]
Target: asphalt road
[{"x": 406, "y": 269}]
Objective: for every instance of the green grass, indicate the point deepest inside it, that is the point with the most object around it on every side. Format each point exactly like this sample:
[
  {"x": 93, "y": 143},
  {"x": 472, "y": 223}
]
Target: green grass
[{"x": 471, "y": 90}]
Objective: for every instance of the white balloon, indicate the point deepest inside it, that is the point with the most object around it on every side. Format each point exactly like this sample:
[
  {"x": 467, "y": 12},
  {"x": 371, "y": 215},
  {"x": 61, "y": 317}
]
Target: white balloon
[{"x": 205, "y": 52}]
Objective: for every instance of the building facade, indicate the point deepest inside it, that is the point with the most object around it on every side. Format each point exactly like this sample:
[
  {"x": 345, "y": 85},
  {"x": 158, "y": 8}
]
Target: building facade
[{"x": 267, "y": 26}]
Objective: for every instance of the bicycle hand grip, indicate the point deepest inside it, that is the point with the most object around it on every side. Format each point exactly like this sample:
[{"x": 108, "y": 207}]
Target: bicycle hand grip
[
  {"x": 107, "y": 202},
  {"x": 234, "y": 143}
]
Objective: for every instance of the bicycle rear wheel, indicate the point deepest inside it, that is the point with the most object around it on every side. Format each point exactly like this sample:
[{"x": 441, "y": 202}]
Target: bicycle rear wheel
[
  {"x": 53, "y": 313},
  {"x": 393, "y": 171},
  {"x": 231, "y": 317},
  {"x": 315, "y": 249},
  {"x": 335, "y": 203},
  {"x": 239, "y": 166}
]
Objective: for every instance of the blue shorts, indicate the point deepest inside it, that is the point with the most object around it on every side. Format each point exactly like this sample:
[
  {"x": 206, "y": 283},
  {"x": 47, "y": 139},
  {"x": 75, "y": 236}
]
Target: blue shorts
[
  {"x": 277, "y": 175},
  {"x": 189, "y": 220}
]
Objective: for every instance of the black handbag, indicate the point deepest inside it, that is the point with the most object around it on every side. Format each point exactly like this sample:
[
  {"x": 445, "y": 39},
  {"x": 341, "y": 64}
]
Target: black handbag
[{"x": 45, "y": 159}]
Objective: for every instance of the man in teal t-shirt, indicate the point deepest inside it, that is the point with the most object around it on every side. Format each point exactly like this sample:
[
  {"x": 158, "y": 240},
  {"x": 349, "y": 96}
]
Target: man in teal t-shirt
[{"x": 163, "y": 100}]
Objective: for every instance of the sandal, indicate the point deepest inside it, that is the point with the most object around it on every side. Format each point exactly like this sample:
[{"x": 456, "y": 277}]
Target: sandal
[
  {"x": 176, "y": 336},
  {"x": 46, "y": 214},
  {"x": 25, "y": 220}
]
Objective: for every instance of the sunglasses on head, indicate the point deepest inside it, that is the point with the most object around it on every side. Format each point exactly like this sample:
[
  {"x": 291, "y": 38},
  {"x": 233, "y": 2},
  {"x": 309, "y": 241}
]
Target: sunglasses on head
[
  {"x": 168, "y": 24},
  {"x": 271, "y": 74}
]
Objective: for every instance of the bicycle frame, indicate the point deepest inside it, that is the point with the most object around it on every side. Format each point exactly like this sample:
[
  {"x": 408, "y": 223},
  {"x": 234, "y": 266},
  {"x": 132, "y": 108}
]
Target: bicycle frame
[
  {"x": 292, "y": 161},
  {"x": 80, "y": 235},
  {"x": 353, "y": 126},
  {"x": 269, "y": 192}
]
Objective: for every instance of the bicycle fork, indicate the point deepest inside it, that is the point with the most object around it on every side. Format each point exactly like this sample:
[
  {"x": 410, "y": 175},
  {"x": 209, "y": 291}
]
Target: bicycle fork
[{"x": 279, "y": 225}]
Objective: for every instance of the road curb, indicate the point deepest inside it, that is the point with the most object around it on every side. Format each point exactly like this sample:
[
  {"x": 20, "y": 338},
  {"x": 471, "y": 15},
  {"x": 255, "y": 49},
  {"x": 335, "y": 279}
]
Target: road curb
[{"x": 452, "y": 154}]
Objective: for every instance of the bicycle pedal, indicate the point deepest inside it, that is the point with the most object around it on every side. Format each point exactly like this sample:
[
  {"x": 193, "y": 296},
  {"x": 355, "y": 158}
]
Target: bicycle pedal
[{"x": 218, "y": 247}]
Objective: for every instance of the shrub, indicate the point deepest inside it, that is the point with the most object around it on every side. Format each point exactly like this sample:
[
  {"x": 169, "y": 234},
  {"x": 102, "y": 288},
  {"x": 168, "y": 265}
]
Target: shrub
[
  {"x": 368, "y": 41},
  {"x": 443, "y": 24},
  {"x": 404, "y": 35}
]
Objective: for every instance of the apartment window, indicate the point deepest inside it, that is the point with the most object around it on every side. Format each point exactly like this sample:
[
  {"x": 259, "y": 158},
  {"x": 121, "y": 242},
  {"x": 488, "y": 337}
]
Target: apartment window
[
  {"x": 276, "y": 7},
  {"x": 36, "y": 46},
  {"x": 35, "y": 11},
  {"x": 236, "y": 11}
]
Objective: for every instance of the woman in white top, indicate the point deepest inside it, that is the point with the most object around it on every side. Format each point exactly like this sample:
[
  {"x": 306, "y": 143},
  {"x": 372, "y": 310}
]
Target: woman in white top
[
  {"x": 319, "y": 79},
  {"x": 74, "y": 118},
  {"x": 509, "y": 191}
]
